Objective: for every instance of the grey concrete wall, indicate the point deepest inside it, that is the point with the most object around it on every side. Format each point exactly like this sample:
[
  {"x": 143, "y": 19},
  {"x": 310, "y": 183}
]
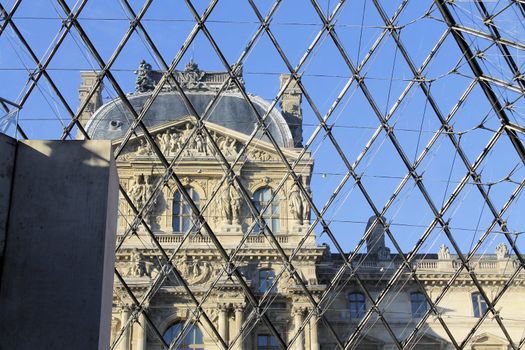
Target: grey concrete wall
[
  {"x": 7, "y": 162},
  {"x": 56, "y": 285}
]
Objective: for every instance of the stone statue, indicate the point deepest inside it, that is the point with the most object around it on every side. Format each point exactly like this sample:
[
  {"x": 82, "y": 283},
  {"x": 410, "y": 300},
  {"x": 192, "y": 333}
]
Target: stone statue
[
  {"x": 164, "y": 142},
  {"x": 191, "y": 77},
  {"x": 145, "y": 81},
  {"x": 444, "y": 253},
  {"x": 200, "y": 145},
  {"x": 226, "y": 207},
  {"x": 174, "y": 143},
  {"x": 502, "y": 252},
  {"x": 231, "y": 148},
  {"x": 295, "y": 202},
  {"x": 138, "y": 265},
  {"x": 228, "y": 146},
  {"x": 142, "y": 149},
  {"x": 137, "y": 191},
  {"x": 236, "y": 205}
]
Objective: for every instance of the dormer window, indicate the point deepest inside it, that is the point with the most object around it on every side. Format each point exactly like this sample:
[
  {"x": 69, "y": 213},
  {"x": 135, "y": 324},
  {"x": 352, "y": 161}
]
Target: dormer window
[{"x": 261, "y": 199}]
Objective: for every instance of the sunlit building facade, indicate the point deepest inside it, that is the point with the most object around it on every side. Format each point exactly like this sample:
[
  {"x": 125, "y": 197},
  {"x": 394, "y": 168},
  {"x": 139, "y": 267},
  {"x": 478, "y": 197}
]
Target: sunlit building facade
[{"x": 174, "y": 266}]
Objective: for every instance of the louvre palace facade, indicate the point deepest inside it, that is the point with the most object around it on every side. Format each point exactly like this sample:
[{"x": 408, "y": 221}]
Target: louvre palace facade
[{"x": 193, "y": 297}]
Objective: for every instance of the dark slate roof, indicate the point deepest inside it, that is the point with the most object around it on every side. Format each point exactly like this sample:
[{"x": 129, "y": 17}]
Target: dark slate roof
[{"x": 112, "y": 119}]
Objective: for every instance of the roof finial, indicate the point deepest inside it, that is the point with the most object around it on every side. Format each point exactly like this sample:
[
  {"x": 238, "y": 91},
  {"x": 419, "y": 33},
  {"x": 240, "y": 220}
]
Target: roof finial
[{"x": 191, "y": 66}]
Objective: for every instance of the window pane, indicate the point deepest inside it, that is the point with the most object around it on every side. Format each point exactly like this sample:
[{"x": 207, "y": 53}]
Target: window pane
[
  {"x": 185, "y": 224},
  {"x": 193, "y": 339},
  {"x": 186, "y": 209},
  {"x": 357, "y": 305},
  {"x": 261, "y": 199},
  {"x": 419, "y": 304},
  {"x": 266, "y": 278},
  {"x": 261, "y": 340},
  {"x": 476, "y": 304}
]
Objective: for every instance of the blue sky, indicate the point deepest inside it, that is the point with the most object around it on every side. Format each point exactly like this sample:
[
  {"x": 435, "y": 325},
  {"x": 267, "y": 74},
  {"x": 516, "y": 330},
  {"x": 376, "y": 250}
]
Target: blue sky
[{"x": 386, "y": 73}]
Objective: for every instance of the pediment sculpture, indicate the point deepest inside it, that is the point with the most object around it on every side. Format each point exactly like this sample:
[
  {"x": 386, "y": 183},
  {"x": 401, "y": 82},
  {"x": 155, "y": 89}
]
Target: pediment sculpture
[{"x": 173, "y": 139}]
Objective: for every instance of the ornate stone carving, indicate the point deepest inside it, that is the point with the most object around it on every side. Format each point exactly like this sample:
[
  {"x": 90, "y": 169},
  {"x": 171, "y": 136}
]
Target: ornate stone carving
[
  {"x": 137, "y": 191},
  {"x": 502, "y": 252},
  {"x": 230, "y": 206},
  {"x": 296, "y": 204},
  {"x": 444, "y": 253},
  {"x": 259, "y": 155},
  {"x": 137, "y": 266},
  {"x": 191, "y": 76},
  {"x": 194, "y": 272},
  {"x": 145, "y": 81},
  {"x": 172, "y": 140},
  {"x": 142, "y": 148},
  {"x": 227, "y": 145}
]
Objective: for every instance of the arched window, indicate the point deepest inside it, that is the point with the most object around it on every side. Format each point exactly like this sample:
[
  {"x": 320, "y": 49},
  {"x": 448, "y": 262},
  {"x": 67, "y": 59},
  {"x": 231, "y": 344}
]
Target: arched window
[
  {"x": 192, "y": 339},
  {"x": 182, "y": 213},
  {"x": 419, "y": 304},
  {"x": 478, "y": 304},
  {"x": 266, "y": 278},
  {"x": 267, "y": 342},
  {"x": 357, "y": 305},
  {"x": 261, "y": 198}
]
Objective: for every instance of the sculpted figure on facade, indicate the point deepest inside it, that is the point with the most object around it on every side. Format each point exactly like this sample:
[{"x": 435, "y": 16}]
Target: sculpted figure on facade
[
  {"x": 142, "y": 148},
  {"x": 228, "y": 146},
  {"x": 194, "y": 272},
  {"x": 296, "y": 203},
  {"x": 225, "y": 206},
  {"x": 138, "y": 265},
  {"x": 502, "y": 252},
  {"x": 443, "y": 253},
  {"x": 230, "y": 206},
  {"x": 144, "y": 81},
  {"x": 260, "y": 155},
  {"x": 236, "y": 204},
  {"x": 164, "y": 142},
  {"x": 174, "y": 143},
  {"x": 137, "y": 191},
  {"x": 191, "y": 77}
]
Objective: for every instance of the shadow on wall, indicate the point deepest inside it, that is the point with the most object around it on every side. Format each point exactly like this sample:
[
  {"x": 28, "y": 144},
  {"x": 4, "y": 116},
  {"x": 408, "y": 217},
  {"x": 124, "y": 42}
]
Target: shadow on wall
[{"x": 57, "y": 273}]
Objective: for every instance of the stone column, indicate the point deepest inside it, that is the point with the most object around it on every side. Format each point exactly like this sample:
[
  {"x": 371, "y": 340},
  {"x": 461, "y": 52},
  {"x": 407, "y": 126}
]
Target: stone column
[
  {"x": 124, "y": 339},
  {"x": 239, "y": 318},
  {"x": 314, "y": 337},
  {"x": 298, "y": 321},
  {"x": 141, "y": 332},
  {"x": 223, "y": 321}
]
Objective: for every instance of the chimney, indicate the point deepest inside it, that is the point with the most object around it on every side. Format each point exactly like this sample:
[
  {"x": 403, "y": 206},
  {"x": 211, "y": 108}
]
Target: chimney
[
  {"x": 375, "y": 243},
  {"x": 291, "y": 109},
  {"x": 87, "y": 81}
]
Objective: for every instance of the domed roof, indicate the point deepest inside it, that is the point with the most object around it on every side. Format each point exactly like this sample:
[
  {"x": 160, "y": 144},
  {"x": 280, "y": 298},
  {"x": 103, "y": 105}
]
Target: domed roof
[{"x": 231, "y": 111}]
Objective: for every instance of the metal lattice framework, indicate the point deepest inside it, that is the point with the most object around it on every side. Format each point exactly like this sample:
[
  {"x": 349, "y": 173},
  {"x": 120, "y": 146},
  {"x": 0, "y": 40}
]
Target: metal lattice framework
[{"x": 488, "y": 54}]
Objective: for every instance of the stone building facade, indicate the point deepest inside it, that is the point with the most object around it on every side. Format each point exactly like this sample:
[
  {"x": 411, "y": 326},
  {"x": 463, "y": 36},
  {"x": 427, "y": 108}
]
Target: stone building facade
[{"x": 196, "y": 258}]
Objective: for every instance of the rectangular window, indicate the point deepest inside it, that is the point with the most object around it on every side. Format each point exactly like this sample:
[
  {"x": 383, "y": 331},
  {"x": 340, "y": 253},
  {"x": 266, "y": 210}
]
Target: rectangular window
[
  {"x": 267, "y": 342},
  {"x": 479, "y": 305},
  {"x": 419, "y": 304}
]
